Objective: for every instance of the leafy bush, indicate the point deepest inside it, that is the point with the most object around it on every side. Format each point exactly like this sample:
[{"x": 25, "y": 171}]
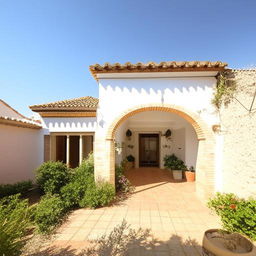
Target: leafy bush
[
  {"x": 71, "y": 194},
  {"x": 49, "y": 213},
  {"x": 173, "y": 162},
  {"x": 88, "y": 164},
  {"x": 82, "y": 190},
  {"x": 237, "y": 215},
  {"x": 12, "y": 189},
  {"x": 98, "y": 195},
  {"x": 84, "y": 170},
  {"x": 14, "y": 221},
  {"x": 74, "y": 191},
  {"x": 79, "y": 189},
  {"x": 51, "y": 176},
  {"x": 81, "y": 179}
]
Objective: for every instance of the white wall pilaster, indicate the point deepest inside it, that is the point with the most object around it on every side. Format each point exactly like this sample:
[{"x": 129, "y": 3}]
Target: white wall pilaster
[
  {"x": 68, "y": 151},
  {"x": 80, "y": 149}
]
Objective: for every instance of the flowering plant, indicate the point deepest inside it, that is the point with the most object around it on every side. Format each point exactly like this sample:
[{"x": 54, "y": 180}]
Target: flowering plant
[
  {"x": 122, "y": 183},
  {"x": 237, "y": 214}
]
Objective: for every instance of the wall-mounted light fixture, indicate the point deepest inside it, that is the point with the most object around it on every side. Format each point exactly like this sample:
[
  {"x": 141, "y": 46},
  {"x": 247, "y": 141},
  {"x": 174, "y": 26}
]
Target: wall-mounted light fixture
[
  {"x": 129, "y": 134},
  {"x": 168, "y": 134}
]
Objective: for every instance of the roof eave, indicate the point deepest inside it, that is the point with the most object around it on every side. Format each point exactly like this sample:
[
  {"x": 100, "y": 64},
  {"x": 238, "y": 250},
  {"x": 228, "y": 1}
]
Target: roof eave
[
  {"x": 45, "y": 109},
  {"x": 66, "y": 114},
  {"x": 101, "y": 70},
  {"x": 18, "y": 123}
]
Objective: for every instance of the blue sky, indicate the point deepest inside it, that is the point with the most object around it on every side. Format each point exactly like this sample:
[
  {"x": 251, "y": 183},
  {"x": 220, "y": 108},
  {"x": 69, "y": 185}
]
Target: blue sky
[{"x": 46, "y": 46}]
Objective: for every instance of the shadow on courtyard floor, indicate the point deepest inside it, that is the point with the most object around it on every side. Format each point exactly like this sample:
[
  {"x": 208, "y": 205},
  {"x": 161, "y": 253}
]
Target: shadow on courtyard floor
[{"x": 125, "y": 241}]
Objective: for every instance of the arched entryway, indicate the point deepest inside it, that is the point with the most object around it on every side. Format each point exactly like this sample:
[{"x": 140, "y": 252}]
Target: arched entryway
[{"x": 205, "y": 166}]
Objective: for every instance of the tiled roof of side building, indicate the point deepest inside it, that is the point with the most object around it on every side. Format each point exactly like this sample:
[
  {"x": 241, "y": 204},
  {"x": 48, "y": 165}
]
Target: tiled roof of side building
[
  {"x": 87, "y": 103},
  {"x": 166, "y": 66},
  {"x": 25, "y": 123},
  {"x": 12, "y": 109}
]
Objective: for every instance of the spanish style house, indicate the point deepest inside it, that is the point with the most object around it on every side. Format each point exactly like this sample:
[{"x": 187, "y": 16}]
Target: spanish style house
[
  {"x": 138, "y": 105},
  {"x": 148, "y": 100}
]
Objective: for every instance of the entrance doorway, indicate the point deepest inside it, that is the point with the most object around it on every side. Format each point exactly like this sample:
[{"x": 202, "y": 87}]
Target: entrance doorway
[{"x": 149, "y": 150}]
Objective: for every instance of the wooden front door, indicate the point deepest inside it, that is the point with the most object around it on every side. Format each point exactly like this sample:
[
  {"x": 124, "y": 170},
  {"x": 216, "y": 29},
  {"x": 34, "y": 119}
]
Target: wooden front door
[{"x": 149, "y": 150}]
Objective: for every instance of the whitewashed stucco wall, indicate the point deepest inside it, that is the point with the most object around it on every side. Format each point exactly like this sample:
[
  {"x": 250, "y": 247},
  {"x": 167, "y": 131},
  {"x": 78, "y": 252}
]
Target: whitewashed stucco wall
[
  {"x": 118, "y": 95},
  {"x": 239, "y": 135},
  {"x": 69, "y": 124},
  {"x": 21, "y": 152}
]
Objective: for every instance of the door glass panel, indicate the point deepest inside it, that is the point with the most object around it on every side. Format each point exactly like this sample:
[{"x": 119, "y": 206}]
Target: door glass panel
[{"x": 149, "y": 151}]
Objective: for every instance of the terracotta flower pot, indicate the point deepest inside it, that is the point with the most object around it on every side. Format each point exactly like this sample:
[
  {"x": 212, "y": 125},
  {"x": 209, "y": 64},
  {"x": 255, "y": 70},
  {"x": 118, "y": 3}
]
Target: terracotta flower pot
[
  {"x": 190, "y": 176},
  {"x": 233, "y": 244}
]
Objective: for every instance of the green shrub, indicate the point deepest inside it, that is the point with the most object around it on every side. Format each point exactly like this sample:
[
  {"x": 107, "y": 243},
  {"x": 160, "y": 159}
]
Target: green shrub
[
  {"x": 85, "y": 170},
  {"x": 51, "y": 176},
  {"x": 98, "y": 195},
  {"x": 14, "y": 221},
  {"x": 237, "y": 215},
  {"x": 12, "y": 189},
  {"x": 78, "y": 189},
  {"x": 119, "y": 170},
  {"x": 71, "y": 194},
  {"x": 82, "y": 177},
  {"x": 74, "y": 191},
  {"x": 49, "y": 213},
  {"x": 88, "y": 164},
  {"x": 173, "y": 162}
]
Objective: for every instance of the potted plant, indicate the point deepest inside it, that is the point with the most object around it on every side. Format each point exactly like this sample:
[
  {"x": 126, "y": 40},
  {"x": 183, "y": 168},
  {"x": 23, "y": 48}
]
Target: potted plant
[
  {"x": 175, "y": 164},
  {"x": 218, "y": 242},
  {"x": 190, "y": 174},
  {"x": 130, "y": 162}
]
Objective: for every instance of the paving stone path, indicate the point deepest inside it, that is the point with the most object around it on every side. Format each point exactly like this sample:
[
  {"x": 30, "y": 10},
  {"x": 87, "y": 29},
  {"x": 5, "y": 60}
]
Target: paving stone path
[{"x": 176, "y": 217}]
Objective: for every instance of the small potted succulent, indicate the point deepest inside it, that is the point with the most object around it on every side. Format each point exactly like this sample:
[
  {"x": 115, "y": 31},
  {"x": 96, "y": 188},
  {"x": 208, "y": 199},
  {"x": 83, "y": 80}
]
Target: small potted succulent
[
  {"x": 190, "y": 174},
  {"x": 176, "y": 165},
  {"x": 130, "y": 162}
]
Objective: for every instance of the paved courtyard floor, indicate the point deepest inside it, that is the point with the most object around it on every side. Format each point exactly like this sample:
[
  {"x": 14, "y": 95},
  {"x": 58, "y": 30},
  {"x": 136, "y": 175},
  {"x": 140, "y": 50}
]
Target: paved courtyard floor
[{"x": 171, "y": 210}]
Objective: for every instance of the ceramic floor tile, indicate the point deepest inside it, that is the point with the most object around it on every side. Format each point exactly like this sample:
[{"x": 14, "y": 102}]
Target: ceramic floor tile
[{"x": 171, "y": 210}]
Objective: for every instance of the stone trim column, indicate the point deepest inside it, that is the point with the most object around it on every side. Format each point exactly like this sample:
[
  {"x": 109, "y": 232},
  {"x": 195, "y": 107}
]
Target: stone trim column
[
  {"x": 110, "y": 161},
  {"x": 80, "y": 149},
  {"x": 67, "y": 151},
  {"x": 104, "y": 161}
]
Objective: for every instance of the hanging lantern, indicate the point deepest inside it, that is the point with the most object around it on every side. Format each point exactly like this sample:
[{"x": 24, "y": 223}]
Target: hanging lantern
[
  {"x": 168, "y": 133},
  {"x": 128, "y": 133}
]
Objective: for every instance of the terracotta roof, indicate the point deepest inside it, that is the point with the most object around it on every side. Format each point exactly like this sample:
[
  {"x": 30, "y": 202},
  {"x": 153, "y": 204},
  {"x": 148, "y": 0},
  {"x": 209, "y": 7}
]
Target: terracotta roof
[
  {"x": 166, "y": 66},
  {"x": 87, "y": 103},
  {"x": 25, "y": 123},
  {"x": 14, "y": 110}
]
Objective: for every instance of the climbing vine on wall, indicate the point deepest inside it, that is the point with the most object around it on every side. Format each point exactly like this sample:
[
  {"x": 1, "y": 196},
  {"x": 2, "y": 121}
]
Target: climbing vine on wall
[{"x": 225, "y": 89}]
